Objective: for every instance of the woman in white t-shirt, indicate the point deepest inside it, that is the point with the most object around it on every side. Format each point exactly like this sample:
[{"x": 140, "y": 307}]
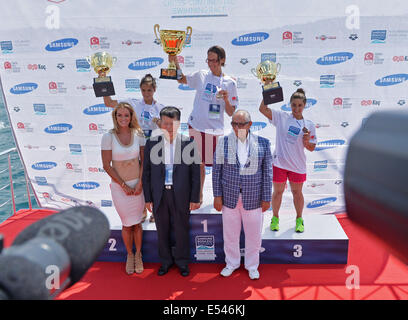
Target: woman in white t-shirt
[
  {"x": 294, "y": 134},
  {"x": 216, "y": 93},
  {"x": 122, "y": 157},
  {"x": 147, "y": 111}
]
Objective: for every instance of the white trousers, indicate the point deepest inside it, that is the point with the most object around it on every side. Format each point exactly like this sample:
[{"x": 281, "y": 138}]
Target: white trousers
[{"x": 252, "y": 221}]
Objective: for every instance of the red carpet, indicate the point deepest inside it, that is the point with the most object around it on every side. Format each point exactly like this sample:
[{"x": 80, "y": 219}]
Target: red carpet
[{"x": 382, "y": 276}]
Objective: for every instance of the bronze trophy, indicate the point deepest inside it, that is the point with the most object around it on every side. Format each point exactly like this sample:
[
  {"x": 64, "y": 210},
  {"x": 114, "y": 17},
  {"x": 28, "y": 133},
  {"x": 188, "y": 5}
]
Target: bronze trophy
[
  {"x": 266, "y": 71},
  {"x": 172, "y": 42},
  {"x": 102, "y": 63}
]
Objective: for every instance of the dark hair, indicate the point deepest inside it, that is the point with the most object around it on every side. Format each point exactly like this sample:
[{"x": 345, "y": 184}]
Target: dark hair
[
  {"x": 299, "y": 94},
  {"x": 220, "y": 52},
  {"x": 171, "y": 112},
  {"x": 148, "y": 79}
]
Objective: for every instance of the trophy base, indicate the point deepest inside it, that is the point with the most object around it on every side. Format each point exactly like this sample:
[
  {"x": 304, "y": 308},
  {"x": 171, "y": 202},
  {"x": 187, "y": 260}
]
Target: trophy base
[
  {"x": 273, "y": 95},
  {"x": 171, "y": 74},
  {"x": 103, "y": 87}
]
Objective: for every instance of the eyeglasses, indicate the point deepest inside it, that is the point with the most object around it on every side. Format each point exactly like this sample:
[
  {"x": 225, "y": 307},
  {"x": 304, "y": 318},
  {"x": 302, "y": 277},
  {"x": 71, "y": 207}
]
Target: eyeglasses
[
  {"x": 239, "y": 124},
  {"x": 211, "y": 60}
]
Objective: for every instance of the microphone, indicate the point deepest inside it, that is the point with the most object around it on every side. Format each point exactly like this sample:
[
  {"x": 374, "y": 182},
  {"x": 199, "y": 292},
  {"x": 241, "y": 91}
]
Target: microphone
[{"x": 65, "y": 245}]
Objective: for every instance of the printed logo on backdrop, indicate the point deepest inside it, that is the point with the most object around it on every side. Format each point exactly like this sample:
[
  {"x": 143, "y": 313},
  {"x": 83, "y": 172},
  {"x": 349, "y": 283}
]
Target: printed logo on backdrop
[
  {"x": 82, "y": 65},
  {"x": 327, "y": 81},
  {"x": 205, "y": 248},
  {"x": 145, "y": 63},
  {"x": 241, "y": 83},
  {"x": 97, "y": 128},
  {"x": 57, "y": 87},
  {"x": 86, "y": 185},
  {"x": 24, "y": 88},
  {"x": 324, "y": 37},
  {"x": 344, "y": 124},
  {"x": 268, "y": 56},
  {"x": 320, "y": 165},
  {"x": 353, "y": 36},
  {"x": 243, "y": 61},
  {"x": 44, "y": 165},
  {"x": 309, "y": 103},
  {"x": 315, "y": 185},
  {"x": 75, "y": 148},
  {"x": 401, "y": 102},
  {"x": 25, "y": 127},
  {"x": 41, "y": 109},
  {"x": 378, "y": 36},
  {"x": 58, "y": 128},
  {"x": 41, "y": 181},
  {"x": 96, "y": 170},
  {"x": 186, "y": 61},
  {"x": 250, "y": 39},
  {"x": 84, "y": 87},
  {"x": 99, "y": 43},
  {"x": 132, "y": 85},
  {"x": 289, "y": 38},
  {"x": 392, "y": 80},
  {"x": 320, "y": 202},
  {"x": 11, "y": 67},
  {"x": 35, "y": 67},
  {"x": 370, "y": 102},
  {"x": 335, "y": 58},
  {"x": 342, "y": 103},
  {"x": 130, "y": 42},
  {"x": 106, "y": 203},
  {"x": 322, "y": 125},
  {"x": 297, "y": 83},
  {"x": 185, "y": 87},
  {"x": 61, "y": 44},
  {"x": 97, "y": 109},
  {"x": 60, "y": 66},
  {"x": 196, "y": 9},
  {"x": 329, "y": 144},
  {"x": 257, "y": 126},
  {"x": 371, "y": 58},
  {"x": 400, "y": 59},
  {"x": 73, "y": 168},
  {"x": 6, "y": 47}
]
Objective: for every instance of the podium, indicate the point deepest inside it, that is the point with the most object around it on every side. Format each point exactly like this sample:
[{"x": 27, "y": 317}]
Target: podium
[{"x": 323, "y": 242}]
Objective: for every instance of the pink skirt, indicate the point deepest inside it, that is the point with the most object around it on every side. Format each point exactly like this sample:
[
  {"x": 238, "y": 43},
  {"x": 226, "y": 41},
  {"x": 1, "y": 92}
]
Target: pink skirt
[{"x": 129, "y": 208}]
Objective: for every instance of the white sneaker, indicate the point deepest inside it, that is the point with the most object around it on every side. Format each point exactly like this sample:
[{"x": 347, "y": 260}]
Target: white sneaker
[
  {"x": 253, "y": 274},
  {"x": 226, "y": 272}
]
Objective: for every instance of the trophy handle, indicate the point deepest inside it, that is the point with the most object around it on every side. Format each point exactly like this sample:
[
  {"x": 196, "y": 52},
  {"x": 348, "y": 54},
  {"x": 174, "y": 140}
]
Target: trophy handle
[
  {"x": 253, "y": 70},
  {"x": 278, "y": 68},
  {"x": 88, "y": 59},
  {"x": 114, "y": 59},
  {"x": 188, "y": 34},
  {"x": 156, "y": 31}
]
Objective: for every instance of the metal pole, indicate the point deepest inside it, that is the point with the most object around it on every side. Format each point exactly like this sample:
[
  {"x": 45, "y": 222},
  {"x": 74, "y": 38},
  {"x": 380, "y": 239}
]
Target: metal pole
[{"x": 11, "y": 186}]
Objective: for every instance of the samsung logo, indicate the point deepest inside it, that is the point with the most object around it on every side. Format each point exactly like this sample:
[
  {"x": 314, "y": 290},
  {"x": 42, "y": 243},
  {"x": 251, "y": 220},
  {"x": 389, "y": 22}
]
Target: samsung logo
[
  {"x": 23, "y": 88},
  {"x": 328, "y": 144},
  {"x": 250, "y": 38},
  {"x": 86, "y": 185},
  {"x": 320, "y": 202},
  {"x": 309, "y": 103},
  {"x": 44, "y": 165},
  {"x": 62, "y": 44},
  {"x": 184, "y": 87},
  {"x": 392, "y": 80},
  {"x": 145, "y": 63},
  {"x": 58, "y": 128},
  {"x": 257, "y": 126},
  {"x": 334, "y": 58},
  {"x": 97, "y": 109}
]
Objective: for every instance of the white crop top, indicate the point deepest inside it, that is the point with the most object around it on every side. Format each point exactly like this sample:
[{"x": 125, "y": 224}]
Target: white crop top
[{"x": 121, "y": 152}]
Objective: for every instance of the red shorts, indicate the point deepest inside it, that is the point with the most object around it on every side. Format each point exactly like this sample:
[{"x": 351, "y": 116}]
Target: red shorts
[
  {"x": 281, "y": 175},
  {"x": 206, "y": 143}
]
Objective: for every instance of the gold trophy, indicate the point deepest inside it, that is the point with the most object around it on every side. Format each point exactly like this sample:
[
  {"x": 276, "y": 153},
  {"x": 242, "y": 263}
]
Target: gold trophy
[
  {"x": 172, "y": 42},
  {"x": 266, "y": 71},
  {"x": 102, "y": 63}
]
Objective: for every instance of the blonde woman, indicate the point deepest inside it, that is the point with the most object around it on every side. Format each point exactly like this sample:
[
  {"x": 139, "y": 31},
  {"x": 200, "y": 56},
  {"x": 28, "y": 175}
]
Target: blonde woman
[{"x": 122, "y": 157}]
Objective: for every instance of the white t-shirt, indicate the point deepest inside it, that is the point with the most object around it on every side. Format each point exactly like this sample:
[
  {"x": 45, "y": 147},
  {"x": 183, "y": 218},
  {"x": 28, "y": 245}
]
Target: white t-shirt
[
  {"x": 208, "y": 111},
  {"x": 289, "y": 150},
  {"x": 145, "y": 114},
  {"x": 121, "y": 152}
]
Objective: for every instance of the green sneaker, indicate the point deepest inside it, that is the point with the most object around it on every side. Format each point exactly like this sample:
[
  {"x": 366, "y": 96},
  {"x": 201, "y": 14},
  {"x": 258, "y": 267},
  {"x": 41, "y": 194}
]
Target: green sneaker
[
  {"x": 299, "y": 225},
  {"x": 275, "y": 224}
]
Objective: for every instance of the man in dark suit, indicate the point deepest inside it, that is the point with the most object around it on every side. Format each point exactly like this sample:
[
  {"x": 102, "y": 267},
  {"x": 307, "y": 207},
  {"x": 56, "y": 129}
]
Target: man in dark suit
[{"x": 171, "y": 186}]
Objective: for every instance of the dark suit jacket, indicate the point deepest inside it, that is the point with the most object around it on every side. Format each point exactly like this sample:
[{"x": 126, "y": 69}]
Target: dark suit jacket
[{"x": 186, "y": 172}]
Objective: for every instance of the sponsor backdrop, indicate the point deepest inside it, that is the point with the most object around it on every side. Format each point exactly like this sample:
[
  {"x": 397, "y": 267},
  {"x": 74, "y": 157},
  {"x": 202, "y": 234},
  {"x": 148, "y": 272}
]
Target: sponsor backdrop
[{"x": 351, "y": 60}]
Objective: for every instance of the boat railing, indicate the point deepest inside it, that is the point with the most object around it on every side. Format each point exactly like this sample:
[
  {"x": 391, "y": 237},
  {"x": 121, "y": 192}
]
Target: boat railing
[{"x": 9, "y": 167}]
